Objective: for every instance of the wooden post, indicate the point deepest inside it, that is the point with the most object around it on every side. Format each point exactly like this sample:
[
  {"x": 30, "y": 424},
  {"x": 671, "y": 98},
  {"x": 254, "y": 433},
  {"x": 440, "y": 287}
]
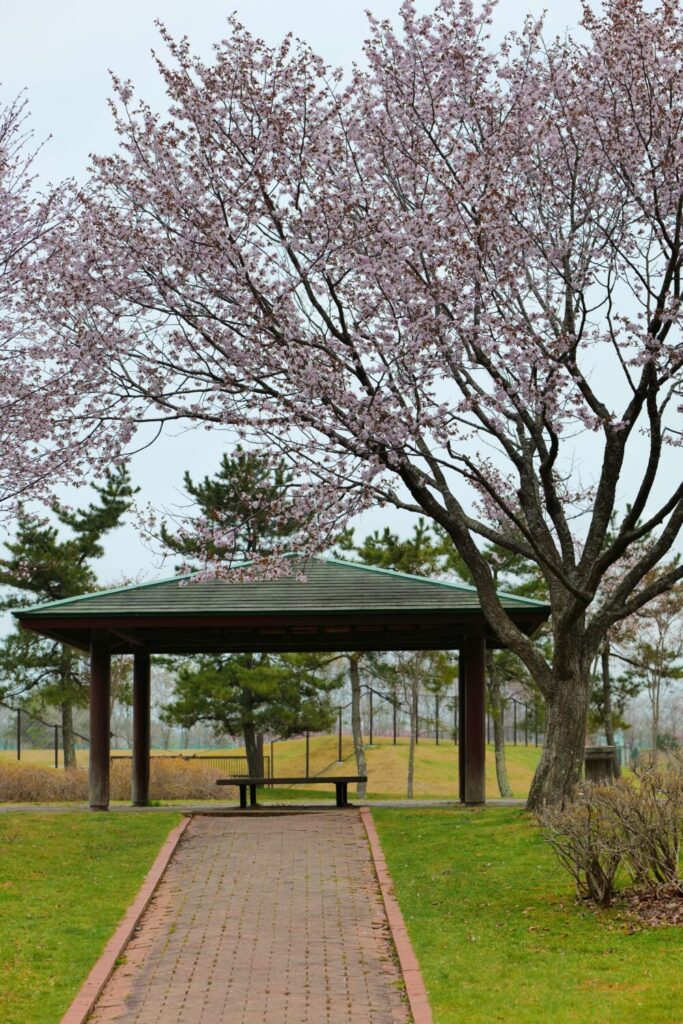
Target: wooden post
[
  {"x": 100, "y": 689},
  {"x": 141, "y": 728},
  {"x": 472, "y": 719}
]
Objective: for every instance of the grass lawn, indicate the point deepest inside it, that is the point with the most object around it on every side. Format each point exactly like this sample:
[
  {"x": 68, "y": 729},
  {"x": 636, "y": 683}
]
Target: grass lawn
[
  {"x": 500, "y": 936},
  {"x": 65, "y": 882}
]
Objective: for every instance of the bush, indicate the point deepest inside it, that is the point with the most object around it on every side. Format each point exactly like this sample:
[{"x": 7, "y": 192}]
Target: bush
[
  {"x": 170, "y": 779},
  {"x": 32, "y": 783},
  {"x": 585, "y": 836},
  {"x": 637, "y": 824},
  {"x": 652, "y": 820}
]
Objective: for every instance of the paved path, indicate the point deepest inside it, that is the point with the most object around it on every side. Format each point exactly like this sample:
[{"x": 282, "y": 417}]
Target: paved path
[{"x": 268, "y": 920}]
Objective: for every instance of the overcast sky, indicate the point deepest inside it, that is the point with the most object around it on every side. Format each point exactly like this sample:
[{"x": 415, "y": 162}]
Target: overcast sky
[{"x": 60, "y": 52}]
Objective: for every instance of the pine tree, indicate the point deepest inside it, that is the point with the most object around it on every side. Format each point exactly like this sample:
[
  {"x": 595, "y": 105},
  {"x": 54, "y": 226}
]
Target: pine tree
[
  {"x": 247, "y": 694},
  {"x": 239, "y": 500},
  {"x": 44, "y": 565}
]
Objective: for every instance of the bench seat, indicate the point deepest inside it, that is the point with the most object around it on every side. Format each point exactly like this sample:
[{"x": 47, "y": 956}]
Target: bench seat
[{"x": 341, "y": 783}]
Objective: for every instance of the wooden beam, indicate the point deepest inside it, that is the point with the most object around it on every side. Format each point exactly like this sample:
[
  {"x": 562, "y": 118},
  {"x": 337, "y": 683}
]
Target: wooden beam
[
  {"x": 472, "y": 719},
  {"x": 100, "y": 695},
  {"x": 141, "y": 728}
]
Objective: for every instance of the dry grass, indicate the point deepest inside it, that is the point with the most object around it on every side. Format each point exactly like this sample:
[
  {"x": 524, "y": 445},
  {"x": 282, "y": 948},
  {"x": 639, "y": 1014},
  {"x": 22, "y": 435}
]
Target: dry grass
[{"x": 21, "y": 782}]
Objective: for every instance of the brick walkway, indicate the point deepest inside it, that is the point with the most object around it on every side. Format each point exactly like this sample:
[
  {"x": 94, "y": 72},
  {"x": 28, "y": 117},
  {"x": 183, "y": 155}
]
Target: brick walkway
[{"x": 268, "y": 920}]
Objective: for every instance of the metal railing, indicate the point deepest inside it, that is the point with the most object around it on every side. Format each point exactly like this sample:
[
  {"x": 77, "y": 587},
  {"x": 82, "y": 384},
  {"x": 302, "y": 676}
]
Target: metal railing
[
  {"x": 233, "y": 765},
  {"x": 24, "y": 739}
]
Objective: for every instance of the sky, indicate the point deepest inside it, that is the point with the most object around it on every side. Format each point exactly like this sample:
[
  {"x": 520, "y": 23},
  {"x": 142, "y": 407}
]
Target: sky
[{"x": 61, "y": 54}]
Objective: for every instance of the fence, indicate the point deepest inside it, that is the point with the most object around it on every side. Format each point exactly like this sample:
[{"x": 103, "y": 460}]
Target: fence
[
  {"x": 231, "y": 765},
  {"x": 28, "y": 732}
]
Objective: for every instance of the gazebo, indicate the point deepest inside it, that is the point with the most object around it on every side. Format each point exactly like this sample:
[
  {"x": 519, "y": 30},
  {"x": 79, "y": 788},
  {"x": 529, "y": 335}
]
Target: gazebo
[{"x": 342, "y": 606}]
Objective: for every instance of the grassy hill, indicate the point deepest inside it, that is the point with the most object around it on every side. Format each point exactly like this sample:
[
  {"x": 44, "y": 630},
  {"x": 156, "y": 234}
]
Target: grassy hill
[{"x": 436, "y": 767}]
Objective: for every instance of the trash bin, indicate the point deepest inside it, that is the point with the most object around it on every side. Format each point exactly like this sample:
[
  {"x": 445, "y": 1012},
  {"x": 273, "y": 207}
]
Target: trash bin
[{"x": 599, "y": 764}]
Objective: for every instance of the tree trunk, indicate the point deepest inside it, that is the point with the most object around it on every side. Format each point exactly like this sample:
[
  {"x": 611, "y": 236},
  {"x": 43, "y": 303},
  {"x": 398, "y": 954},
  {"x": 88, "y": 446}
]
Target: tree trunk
[
  {"x": 253, "y": 744},
  {"x": 414, "y": 696},
  {"x": 356, "y": 724},
  {"x": 68, "y": 739},
  {"x": 607, "y": 705},
  {"x": 497, "y": 714},
  {"x": 559, "y": 769},
  {"x": 655, "y": 690}
]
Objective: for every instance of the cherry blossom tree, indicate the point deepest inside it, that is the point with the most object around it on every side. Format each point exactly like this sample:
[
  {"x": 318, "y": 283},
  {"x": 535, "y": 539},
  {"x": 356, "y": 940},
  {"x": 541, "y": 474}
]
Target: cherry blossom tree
[
  {"x": 43, "y": 404},
  {"x": 448, "y": 282}
]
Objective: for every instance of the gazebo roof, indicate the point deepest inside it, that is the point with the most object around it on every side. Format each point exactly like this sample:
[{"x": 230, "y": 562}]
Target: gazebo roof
[{"x": 341, "y": 606}]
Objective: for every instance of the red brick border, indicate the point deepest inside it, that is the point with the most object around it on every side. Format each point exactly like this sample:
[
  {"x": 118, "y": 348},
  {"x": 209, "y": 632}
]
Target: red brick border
[
  {"x": 410, "y": 968},
  {"x": 84, "y": 1003}
]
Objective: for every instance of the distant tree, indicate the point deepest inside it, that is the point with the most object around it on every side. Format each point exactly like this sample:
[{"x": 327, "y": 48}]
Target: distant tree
[
  {"x": 653, "y": 652},
  {"x": 248, "y": 695},
  {"x": 47, "y": 562}
]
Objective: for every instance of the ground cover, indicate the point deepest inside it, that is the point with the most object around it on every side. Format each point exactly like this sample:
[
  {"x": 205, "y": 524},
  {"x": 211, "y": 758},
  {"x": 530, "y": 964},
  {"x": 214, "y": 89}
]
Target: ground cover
[
  {"x": 500, "y": 937},
  {"x": 65, "y": 882}
]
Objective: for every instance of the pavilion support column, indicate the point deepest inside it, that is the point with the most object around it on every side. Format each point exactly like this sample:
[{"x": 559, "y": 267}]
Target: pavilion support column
[
  {"x": 472, "y": 719},
  {"x": 141, "y": 728},
  {"x": 100, "y": 695}
]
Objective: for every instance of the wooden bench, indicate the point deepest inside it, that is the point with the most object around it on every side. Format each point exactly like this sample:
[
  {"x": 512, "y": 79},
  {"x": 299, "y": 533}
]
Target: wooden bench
[{"x": 341, "y": 783}]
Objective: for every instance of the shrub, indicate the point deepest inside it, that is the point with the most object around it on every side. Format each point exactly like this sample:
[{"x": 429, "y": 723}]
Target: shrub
[
  {"x": 637, "y": 823},
  {"x": 585, "y": 836},
  {"x": 651, "y": 813},
  {"x": 170, "y": 779}
]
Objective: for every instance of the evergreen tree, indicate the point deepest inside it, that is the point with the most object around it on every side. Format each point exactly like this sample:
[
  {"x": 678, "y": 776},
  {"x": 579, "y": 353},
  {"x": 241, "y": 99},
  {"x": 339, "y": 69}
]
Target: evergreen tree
[
  {"x": 41, "y": 565},
  {"x": 249, "y": 695},
  {"x": 254, "y": 693}
]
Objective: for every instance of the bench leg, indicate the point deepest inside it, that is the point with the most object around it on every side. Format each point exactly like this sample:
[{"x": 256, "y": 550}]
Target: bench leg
[
  {"x": 339, "y": 786},
  {"x": 243, "y": 798},
  {"x": 252, "y": 796},
  {"x": 345, "y": 795}
]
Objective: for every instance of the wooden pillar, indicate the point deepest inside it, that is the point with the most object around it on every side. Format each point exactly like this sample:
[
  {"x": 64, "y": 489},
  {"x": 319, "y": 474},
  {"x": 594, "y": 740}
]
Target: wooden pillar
[
  {"x": 472, "y": 719},
  {"x": 141, "y": 728},
  {"x": 100, "y": 691}
]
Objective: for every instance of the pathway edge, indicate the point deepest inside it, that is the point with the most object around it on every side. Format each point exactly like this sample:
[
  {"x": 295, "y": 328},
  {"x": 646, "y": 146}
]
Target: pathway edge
[
  {"x": 92, "y": 987},
  {"x": 410, "y": 969}
]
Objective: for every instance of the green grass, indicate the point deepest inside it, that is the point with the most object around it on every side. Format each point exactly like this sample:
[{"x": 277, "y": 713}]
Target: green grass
[
  {"x": 500, "y": 936},
  {"x": 65, "y": 882}
]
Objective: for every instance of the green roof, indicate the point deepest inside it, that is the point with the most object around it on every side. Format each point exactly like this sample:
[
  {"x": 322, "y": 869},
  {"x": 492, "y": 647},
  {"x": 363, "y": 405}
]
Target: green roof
[{"x": 331, "y": 586}]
